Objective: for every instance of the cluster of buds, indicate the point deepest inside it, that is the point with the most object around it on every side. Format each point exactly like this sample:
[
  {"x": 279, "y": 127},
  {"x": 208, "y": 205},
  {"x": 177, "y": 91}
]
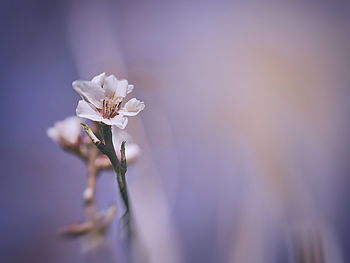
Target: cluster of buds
[{"x": 111, "y": 149}]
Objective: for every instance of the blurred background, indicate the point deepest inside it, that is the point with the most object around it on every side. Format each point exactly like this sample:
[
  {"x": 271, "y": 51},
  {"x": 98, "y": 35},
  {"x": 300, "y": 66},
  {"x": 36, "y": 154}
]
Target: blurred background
[{"x": 244, "y": 136}]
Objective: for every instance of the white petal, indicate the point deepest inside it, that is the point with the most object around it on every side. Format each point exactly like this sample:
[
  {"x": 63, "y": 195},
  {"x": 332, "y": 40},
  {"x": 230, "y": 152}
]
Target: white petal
[
  {"x": 52, "y": 133},
  {"x": 119, "y": 121},
  {"x": 66, "y": 132},
  {"x": 116, "y": 138},
  {"x": 70, "y": 129},
  {"x": 99, "y": 79},
  {"x": 132, "y": 107},
  {"x": 114, "y": 88},
  {"x": 121, "y": 91},
  {"x": 129, "y": 89},
  {"x": 84, "y": 110},
  {"x": 90, "y": 92},
  {"x": 110, "y": 86},
  {"x": 119, "y": 136},
  {"x": 131, "y": 151}
]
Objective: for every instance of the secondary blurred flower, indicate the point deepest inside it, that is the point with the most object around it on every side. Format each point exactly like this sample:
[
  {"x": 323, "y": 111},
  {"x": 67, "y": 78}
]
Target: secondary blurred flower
[
  {"x": 102, "y": 98},
  {"x": 66, "y": 133},
  {"x": 132, "y": 150}
]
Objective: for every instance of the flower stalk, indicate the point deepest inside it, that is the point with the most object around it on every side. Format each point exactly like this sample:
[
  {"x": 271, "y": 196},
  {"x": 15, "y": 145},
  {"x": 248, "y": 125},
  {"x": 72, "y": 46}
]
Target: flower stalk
[
  {"x": 107, "y": 148},
  {"x": 89, "y": 192}
]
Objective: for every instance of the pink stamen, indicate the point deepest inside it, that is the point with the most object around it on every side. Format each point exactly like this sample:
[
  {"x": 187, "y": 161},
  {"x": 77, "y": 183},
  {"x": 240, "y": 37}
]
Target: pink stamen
[{"x": 109, "y": 109}]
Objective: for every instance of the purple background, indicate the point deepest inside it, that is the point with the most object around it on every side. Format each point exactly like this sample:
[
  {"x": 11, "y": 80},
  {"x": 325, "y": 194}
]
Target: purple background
[{"x": 179, "y": 58}]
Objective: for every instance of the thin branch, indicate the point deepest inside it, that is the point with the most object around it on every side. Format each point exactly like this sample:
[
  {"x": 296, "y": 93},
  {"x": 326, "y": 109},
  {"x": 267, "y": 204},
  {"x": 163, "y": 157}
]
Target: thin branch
[
  {"x": 107, "y": 148},
  {"x": 90, "y": 133},
  {"x": 123, "y": 167},
  {"x": 94, "y": 221},
  {"x": 75, "y": 230},
  {"x": 89, "y": 193}
]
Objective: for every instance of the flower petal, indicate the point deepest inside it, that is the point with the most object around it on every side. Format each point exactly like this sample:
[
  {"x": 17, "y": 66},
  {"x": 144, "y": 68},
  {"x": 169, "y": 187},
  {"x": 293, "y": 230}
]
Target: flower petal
[
  {"x": 132, "y": 151},
  {"x": 90, "y": 92},
  {"x": 121, "y": 89},
  {"x": 119, "y": 135},
  {"x": 129, "y": 89},
  {"x": 119, "y": 121},
  {"x": 84, "y": 110},
  {"x": 116, "y": 89},
  {"x": 99, "y": 79},
  {"x": 110, "y": 86},
  {"x": 52, "y": 133},
  {"x": 66, "y": 132},
  {"x": 70, "y": 129},
  {"x": 132, "y": 107}
]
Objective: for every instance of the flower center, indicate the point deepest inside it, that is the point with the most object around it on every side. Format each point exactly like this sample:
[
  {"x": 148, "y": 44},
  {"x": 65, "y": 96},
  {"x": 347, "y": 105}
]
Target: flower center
[{"x": 109, "y": 108}]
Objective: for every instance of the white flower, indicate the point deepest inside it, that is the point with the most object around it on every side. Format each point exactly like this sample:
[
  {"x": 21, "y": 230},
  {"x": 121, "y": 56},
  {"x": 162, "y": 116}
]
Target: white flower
[
  {"x": 132, "y": 150},
  {"x": 102, "y": 99},
  {"x": 67, "y": 132}
]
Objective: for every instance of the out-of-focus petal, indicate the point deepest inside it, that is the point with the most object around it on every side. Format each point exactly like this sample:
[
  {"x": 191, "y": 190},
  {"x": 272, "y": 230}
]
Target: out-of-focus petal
[
  {"x": 52, "y": 133},
  {"x": 66, "y": 132},
  {"x": 132, "y": 151},
  {"x": 70, "y": 129},
  {"x": 119, "y": 136},
  {"x": 129, "y": 89}
]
